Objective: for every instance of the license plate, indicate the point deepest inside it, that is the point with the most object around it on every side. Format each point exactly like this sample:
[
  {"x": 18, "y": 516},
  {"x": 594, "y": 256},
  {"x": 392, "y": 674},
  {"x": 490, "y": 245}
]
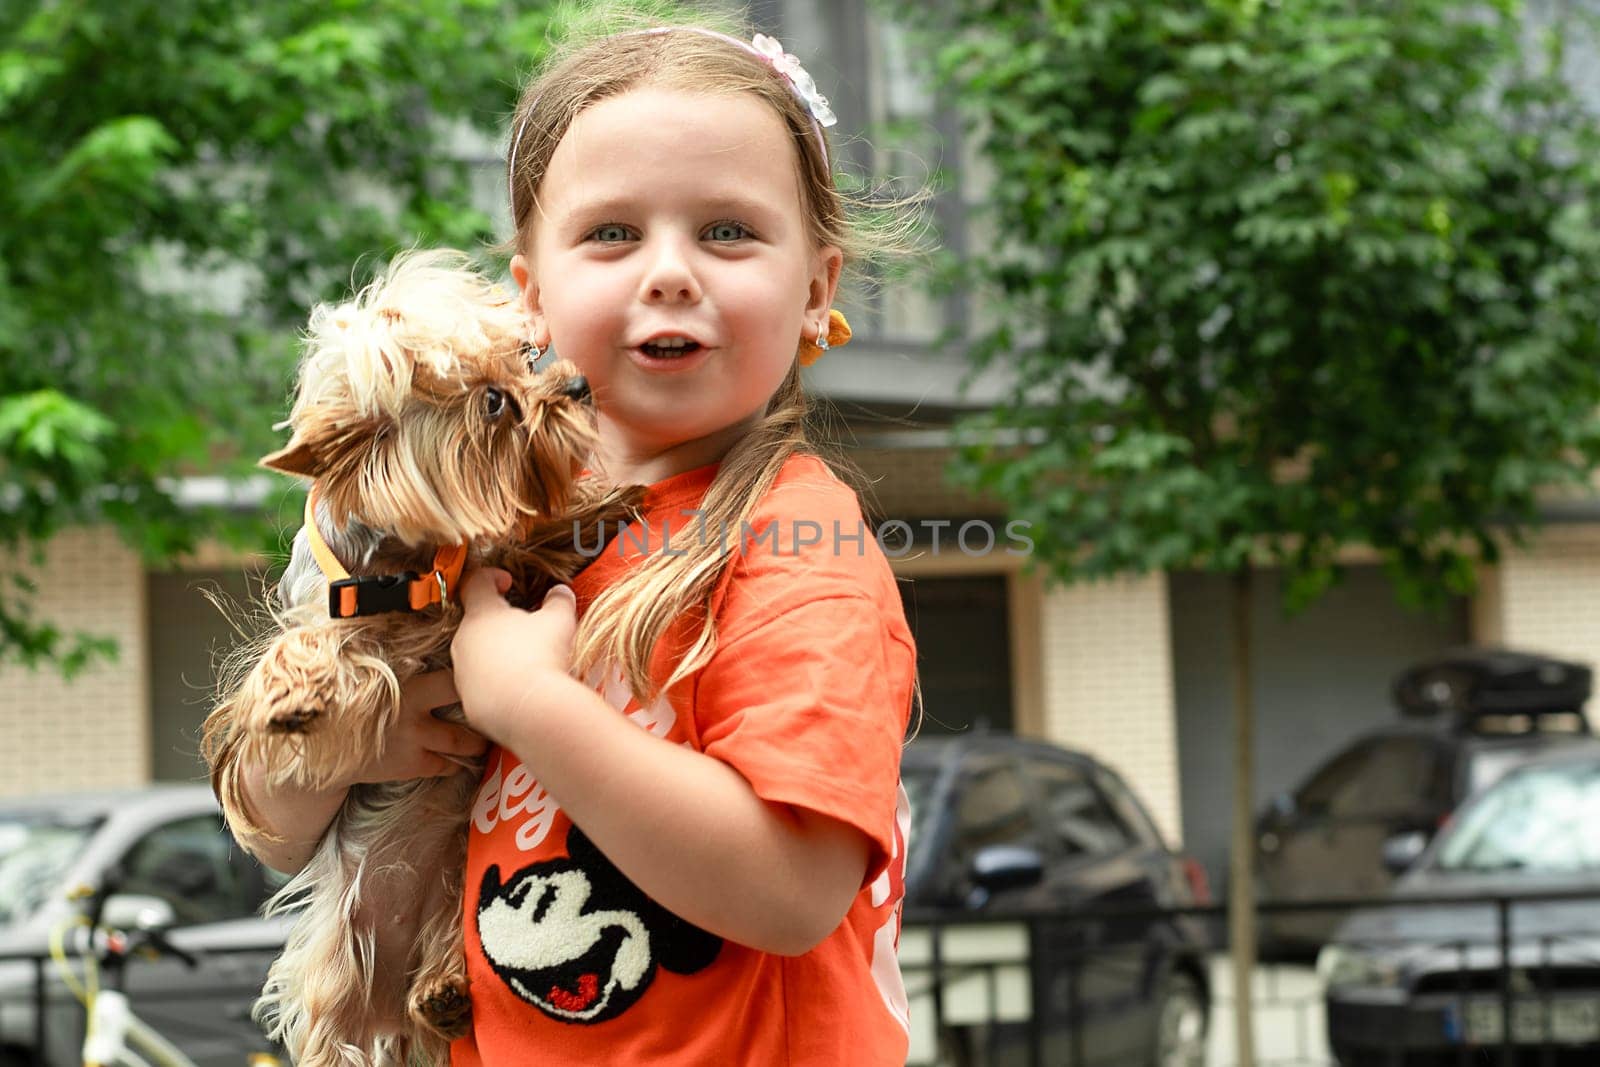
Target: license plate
[{"x": 1569, "y": 1022}]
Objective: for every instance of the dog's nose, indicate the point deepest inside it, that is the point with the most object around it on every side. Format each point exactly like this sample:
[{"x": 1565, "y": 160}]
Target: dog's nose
[{"x": 577, "y": 387}]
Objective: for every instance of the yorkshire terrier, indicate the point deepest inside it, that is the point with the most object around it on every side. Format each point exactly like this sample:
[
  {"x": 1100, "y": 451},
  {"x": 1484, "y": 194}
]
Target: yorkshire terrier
[{"x": 431, "y": 441}]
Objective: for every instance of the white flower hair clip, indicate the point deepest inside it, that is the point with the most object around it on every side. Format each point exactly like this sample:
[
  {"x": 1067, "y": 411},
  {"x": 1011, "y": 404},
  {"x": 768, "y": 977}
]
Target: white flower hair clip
[{"x": 805, "y": 86}]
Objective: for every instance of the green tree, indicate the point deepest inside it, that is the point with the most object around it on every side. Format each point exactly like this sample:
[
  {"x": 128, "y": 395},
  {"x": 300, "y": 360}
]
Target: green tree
[
  {"x": 1276, "y": 279},
  {"x": 179, "y": 181}
]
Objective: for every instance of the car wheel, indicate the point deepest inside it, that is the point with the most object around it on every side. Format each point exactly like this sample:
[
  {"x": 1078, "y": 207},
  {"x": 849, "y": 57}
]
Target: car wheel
[{"x": 1181, "y": 1024}]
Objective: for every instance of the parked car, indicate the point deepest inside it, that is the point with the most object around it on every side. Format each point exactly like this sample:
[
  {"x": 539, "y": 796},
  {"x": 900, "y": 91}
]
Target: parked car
[
  {"x": 176, "y": 861},
  {"x": 1414, "y": 983},
  {"x": 1001, "y": 824},
  {"x": 1471, "y": 716}
]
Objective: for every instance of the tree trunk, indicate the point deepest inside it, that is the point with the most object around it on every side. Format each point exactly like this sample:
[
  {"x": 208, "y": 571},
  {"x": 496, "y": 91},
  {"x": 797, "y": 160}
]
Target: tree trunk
[{"x": 1241, "y": 877}]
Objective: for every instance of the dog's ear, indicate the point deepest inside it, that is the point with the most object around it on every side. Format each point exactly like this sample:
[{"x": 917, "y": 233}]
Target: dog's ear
[{"x": 297, "y": 457}]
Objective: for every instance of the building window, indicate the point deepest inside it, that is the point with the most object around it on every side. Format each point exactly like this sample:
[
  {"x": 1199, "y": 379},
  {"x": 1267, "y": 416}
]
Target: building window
[{"x": 962, "y": 630}]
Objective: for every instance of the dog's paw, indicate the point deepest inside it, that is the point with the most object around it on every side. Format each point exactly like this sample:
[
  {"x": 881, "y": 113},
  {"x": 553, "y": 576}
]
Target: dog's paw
[
  {"x": 295, "y": 684},
  {"x": 294, "y": 713},
  {"x": 293, "y": 722},
  {"x": 442, "y": 1006}
]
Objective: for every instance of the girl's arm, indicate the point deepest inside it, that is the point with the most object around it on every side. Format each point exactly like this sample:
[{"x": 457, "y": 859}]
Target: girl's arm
[
  {"x": 419, "y": 746},
  {"x": 685, "y": 827}
]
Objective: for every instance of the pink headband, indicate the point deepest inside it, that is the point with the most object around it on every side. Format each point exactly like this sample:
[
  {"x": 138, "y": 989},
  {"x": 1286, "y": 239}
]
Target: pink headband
[{"x": 761, "y": 46}]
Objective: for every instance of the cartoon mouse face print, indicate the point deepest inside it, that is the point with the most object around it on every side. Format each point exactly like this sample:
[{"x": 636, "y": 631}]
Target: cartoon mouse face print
[{"x": 577, "y": 940}]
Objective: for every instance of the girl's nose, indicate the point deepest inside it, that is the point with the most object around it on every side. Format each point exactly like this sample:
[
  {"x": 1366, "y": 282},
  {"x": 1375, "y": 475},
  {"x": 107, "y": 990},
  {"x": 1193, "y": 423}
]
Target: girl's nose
[{"x": 670, "y": 279}]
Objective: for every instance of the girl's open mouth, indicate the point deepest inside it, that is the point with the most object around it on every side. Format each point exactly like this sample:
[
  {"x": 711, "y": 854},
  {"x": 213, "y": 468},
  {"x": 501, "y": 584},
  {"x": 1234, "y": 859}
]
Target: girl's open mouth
[{"x": 675, "y": 350}]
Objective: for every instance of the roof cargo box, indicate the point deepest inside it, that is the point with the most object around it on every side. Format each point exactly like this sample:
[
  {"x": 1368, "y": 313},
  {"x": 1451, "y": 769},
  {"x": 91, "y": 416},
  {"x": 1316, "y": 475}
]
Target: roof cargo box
[{"x": 1493, "y": 681}]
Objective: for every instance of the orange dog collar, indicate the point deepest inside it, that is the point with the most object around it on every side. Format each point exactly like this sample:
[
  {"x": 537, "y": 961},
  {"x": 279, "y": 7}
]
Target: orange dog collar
[{"x": 374, "y": 594}]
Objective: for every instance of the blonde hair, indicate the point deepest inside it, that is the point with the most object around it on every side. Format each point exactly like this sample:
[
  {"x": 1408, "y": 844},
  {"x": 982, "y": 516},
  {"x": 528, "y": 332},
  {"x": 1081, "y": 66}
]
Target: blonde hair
[{"x": 610, "y": 55}]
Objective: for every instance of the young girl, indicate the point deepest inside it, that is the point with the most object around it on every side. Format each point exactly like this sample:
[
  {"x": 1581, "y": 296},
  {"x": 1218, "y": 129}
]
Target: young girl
[{"x": 689, "y": 843}]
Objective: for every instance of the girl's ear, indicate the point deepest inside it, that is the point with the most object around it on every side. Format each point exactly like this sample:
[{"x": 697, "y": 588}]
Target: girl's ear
[
  {"x": 528, "y": 294},
  {"x": 824, "y": 283}
]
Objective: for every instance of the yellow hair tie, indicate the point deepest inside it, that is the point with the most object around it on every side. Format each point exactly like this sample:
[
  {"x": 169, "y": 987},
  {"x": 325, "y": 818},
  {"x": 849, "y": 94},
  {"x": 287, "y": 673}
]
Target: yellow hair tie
[{"x": 838, "y": 334}]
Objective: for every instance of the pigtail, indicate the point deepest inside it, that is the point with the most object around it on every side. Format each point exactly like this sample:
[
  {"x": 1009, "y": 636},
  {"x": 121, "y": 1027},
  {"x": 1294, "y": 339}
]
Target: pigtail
[{"x": 627, "y": 622}]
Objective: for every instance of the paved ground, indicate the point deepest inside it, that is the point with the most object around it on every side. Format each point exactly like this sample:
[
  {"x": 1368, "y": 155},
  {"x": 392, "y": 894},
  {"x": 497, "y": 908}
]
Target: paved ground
[{"x": 1289, "y": 1026}]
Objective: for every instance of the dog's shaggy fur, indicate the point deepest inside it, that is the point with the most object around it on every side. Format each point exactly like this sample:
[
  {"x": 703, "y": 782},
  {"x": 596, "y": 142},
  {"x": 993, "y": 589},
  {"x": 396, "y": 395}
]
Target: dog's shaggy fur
[{"x": 422, "y": 424}]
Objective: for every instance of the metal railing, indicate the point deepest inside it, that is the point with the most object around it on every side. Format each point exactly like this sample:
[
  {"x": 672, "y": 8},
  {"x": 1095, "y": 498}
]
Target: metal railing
[
  {"x": 36, "y": 1027},
  {"x": 1081, "y": 988}
]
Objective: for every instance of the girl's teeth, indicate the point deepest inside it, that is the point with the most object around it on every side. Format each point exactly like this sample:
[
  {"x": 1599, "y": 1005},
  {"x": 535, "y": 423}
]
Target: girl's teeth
[{"x": 669, "y": 350}]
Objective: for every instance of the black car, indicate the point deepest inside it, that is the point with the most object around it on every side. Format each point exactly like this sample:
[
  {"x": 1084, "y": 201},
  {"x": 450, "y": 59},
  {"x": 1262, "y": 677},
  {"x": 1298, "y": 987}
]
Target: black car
[
  {"x": 1470, "y": 717},
  {"x": 1003, "y": 824},
  {"x": 1421, "y": 981}
]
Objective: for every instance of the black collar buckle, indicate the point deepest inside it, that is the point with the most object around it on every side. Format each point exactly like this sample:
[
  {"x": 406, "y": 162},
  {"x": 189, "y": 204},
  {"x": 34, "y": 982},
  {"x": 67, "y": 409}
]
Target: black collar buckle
[{"x": 370, "y": 594}]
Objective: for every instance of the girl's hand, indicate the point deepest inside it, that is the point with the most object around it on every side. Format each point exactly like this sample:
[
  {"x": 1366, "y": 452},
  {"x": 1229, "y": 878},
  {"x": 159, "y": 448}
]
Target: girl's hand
[
  {"x": 503, "y": 654},
  {"x": 421, "y": 745},
  {"x": 418, "y": 746}
]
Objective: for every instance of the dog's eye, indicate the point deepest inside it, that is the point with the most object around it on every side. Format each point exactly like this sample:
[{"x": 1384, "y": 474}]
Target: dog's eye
[{"x": 494, "y": 403}]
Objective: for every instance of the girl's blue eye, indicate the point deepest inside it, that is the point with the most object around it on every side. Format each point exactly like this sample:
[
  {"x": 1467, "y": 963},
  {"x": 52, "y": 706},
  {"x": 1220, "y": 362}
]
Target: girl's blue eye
[
  {"x": 727, "y": 231},
  {"x": 609, "y": 233}
]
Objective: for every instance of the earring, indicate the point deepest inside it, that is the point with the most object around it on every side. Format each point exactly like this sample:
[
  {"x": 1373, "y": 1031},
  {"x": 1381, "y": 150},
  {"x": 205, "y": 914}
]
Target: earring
[
  {"x": 833, "y": 332},
  {"x": 533, "y": 352}
]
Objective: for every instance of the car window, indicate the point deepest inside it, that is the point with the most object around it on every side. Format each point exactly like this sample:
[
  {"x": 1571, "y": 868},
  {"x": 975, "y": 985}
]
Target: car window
[
  {"x": 1081, "y": 821},
  {"x": 1129, "y": 809},
  {"x": 1376, "y": 777},
  {"x": 1336, "y": 778},
  {"x": 919, "y": 782},
  {"x": 993, "y": 809},
  {"x": 35, "y": 854},
  {"x": 1540, "y": 820},
  {"x": 195, "y": 866},
  {"x": 1486, "y": 766}
]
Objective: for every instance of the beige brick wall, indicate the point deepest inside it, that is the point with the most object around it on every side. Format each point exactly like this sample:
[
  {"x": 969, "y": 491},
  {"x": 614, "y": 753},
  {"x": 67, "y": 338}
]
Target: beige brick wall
[
  {"x": 909, "y": 483},
  {"x": 1488, "y": 608},
  {"x": 93, "y": 730},
  {"x": 1106, "y": 656},
  {"x": 1547, "y": 596}
]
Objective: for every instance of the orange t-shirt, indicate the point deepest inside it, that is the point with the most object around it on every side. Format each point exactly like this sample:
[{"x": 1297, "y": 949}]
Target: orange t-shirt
[{"x": 808, "y": 697}]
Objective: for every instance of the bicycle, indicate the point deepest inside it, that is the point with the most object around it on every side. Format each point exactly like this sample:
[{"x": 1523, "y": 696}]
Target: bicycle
[{"x": 115, "y": 1036}]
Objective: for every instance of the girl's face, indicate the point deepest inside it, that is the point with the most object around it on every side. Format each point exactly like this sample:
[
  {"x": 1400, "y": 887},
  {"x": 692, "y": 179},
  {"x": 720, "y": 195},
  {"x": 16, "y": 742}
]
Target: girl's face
[{"x": 671, "y": 263}]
